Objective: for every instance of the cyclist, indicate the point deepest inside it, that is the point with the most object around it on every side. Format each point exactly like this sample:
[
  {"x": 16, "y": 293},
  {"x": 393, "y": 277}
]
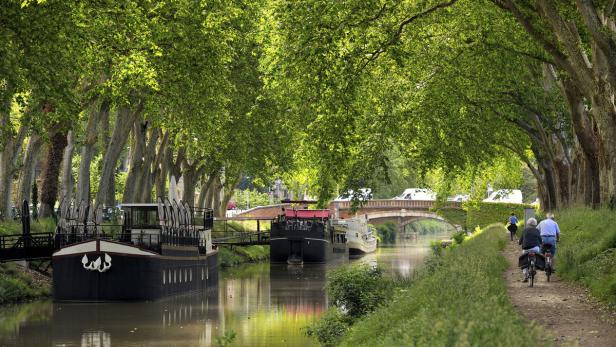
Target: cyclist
[
  {"x": 530, "y": 241},
  {"x": 550, "y": 233},
  {"x": 513, "y": 225}
]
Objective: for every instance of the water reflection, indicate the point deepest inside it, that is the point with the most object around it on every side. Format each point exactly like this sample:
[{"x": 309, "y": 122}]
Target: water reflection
[{"x": 266, "y": 305}]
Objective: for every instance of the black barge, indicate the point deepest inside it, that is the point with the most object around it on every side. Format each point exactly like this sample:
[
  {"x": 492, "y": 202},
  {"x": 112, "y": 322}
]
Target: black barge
[
  {"x": 306, "y": 236},
  {"x": 160, "y": 251}
]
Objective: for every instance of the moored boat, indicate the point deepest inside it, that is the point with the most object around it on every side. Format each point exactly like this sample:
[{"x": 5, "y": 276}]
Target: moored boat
[
  {"x": 305, "y": 236},
  {"x": 160, "y": 251},
  {"x": 360, "y": 239}
]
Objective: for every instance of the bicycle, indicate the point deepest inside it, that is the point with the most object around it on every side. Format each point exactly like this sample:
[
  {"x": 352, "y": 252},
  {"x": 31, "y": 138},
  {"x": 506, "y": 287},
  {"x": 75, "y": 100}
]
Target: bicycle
[
  {"x": 532, "y": 268},
  {"x": 546, "y": 249}
]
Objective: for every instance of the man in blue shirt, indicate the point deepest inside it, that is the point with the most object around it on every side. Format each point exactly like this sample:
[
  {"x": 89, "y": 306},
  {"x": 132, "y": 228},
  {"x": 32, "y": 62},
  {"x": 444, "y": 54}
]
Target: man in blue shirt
[
  {"x": 550, "y": 233},
  {"x": 513, "y": 225}
]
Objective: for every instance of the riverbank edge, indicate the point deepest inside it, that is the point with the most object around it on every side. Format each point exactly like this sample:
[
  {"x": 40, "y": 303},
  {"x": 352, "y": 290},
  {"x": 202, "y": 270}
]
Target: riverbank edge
[
  {"x": 232, "y": 256},
  {"x": 459, "y": 297},
  {"x": 19, "y": 284}
]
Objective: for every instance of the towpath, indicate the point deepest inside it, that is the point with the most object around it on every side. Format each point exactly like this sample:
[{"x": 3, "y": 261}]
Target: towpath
[{"x": 567, "y": 312}]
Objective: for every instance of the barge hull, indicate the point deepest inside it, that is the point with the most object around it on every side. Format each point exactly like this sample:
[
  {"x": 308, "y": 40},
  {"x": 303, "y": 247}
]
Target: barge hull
[{"x": 143, "y": 275}]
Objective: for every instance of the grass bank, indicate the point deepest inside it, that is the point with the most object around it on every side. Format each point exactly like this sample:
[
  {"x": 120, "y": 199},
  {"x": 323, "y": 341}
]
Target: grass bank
[
  {"x": 587, "y": 251},
  {"x": 233, "y": 256},
  {"x": 18, "y": 284},
  {"x": 11, "y": 227},
  {"x": 459, "y": 298}
]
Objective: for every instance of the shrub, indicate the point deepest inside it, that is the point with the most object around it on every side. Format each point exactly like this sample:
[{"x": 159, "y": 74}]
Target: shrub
[
  {"x": 459, "y": 237},
  {"x": 358, "y": 289},
  {"x": 485, "y": 213},
  {"x": 330, "y": 328},
  {"x": 461, "y": 301}
]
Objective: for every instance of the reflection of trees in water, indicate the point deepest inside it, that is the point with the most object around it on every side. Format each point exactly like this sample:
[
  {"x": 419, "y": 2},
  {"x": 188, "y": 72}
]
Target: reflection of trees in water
[
  {"x": 429, "y": 226},
  {"x": 182, "y": 320}
]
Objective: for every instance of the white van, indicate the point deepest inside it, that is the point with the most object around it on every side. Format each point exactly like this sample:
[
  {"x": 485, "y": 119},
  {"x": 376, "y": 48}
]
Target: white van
[
  {"x": 512, "y": 196},
  {"x": 423, "y": 194}
]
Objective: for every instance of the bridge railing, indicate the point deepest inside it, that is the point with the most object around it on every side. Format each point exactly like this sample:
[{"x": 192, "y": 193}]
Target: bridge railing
[{"x": 390, "y": 203}]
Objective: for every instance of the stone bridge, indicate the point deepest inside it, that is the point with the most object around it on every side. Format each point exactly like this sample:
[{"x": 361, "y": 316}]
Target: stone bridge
[{"x": 401, "y": 212}]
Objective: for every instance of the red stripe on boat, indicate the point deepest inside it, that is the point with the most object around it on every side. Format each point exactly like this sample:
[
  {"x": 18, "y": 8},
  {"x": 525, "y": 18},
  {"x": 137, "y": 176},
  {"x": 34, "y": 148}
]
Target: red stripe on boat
[{"x": 307, "y": 214}]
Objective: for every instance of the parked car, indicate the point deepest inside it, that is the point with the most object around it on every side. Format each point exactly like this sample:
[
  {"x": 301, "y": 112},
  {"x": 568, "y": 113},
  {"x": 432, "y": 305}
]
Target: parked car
[
  {"x": 364, "y": 195},
  {"x": 424, "y": 194},
  {"x": 512, "y": 196}
]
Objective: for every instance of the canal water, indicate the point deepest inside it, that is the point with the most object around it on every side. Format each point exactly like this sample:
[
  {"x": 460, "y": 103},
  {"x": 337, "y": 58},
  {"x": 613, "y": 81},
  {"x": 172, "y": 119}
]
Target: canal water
[{"x": 263, "y": 304}]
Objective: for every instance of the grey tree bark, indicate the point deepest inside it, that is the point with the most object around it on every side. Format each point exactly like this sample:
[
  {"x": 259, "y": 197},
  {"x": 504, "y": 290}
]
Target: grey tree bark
[
  {"x": 67, "y": 167},
  {"x": 88, "y": 149},
  {"x": 26, "y": 177},
  {"x": 124, "y": 121},
  {"x": 8, "y": 157}
]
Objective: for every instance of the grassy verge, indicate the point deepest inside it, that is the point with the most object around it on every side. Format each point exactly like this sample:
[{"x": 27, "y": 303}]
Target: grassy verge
[
  {"x": 587, "y": 251},
  {"x": 19, "y": 285},
  {"x": 233, "y": 256},
  {"x": 459, "y": 299},
  {"x": 11, "y": 227}
]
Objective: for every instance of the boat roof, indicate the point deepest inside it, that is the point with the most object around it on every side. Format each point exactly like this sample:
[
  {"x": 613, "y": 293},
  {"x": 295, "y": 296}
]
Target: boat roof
[{"x": 307, "y": 214}]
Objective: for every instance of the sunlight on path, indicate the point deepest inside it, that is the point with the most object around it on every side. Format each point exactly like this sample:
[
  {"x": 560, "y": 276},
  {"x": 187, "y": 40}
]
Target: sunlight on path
[{"x": 565, "y": 311}]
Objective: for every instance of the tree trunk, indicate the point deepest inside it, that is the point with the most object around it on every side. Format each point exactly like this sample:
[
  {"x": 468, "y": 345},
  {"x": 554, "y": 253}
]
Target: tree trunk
[
  {"x": 206, "y": 188},
  {"x": 124, "y": 121},
  {"x": 51, "y": 173},
  {"x": 67, "y": 167},
  {"x": 8, "y": 158},
  {"x": 162, "y": 168},
  {"x": 218, "y": 186},
  {"x": 28, "y": 171},
  {"x": 88, "y": 150},
  {"x": 136, "y": 161},
  {"x": 587, "y": 141}
]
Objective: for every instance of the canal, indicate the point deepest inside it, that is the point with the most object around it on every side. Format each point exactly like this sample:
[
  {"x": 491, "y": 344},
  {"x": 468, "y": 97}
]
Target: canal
[{"x": 263, "y": 304}]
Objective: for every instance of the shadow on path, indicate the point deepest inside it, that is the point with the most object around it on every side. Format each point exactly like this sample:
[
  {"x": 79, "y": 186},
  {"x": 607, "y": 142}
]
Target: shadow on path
[{"x": 565, "y": 311}]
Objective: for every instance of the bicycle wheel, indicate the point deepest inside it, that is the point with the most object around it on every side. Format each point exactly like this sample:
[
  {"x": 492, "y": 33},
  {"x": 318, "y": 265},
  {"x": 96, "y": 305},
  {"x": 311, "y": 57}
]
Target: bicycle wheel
[{"x": 531, "y": 272}]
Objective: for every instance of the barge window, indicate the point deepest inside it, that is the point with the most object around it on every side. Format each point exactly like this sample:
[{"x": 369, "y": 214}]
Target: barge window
[
  {"x": 191, "y": 275},
  {"x": 207, "y": 273},
  {"x": 169, "y": 274},
  {"x": 175, "y": 276},
  {"x": 180, "y": 275},
  {"x": 185, "y": 275},
  {"x": 164, "y": 277},
  {"x": 202, "y": 274}
]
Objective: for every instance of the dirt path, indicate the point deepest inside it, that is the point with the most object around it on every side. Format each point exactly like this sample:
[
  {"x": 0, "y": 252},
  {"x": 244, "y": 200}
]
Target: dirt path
[{"x": 566, "y": 312}]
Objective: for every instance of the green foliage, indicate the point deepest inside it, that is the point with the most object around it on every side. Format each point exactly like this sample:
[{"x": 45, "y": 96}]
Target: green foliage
[
  {"x": 454, "y": 216},
  {"x": 358, "y": 289},
  {"x": 226, "y": 339},
  {"x": 586, "y": 252},
  {"x": 245, "y": 199},
  {"x": 387, "y": 232},
  {"x": 459, "y": 237},
  {"x": 330, "y": 327},
  {"x": 233, "y": 256},
  {"x": 485, "y": 213},
  {"x": 46, "y": 225},
  {"x": 17, "y": 285},
  {"x": 460, "y": 301},
  {"x": 430, "y": 227}
]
